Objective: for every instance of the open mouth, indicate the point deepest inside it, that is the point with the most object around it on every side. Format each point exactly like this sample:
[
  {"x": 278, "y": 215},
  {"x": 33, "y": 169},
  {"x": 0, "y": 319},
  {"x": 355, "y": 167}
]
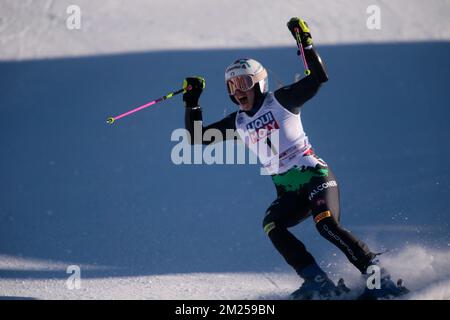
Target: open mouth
[{"x": 243, "y": 100}]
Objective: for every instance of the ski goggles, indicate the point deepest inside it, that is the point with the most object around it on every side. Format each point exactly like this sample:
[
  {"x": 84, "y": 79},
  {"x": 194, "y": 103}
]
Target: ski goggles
[{"x": 244, "y": 82}]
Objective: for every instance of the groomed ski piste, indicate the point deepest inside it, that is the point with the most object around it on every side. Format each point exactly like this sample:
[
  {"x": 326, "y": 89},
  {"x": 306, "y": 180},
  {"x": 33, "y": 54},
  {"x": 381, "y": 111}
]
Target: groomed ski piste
[{"x": 108, "y": 200}]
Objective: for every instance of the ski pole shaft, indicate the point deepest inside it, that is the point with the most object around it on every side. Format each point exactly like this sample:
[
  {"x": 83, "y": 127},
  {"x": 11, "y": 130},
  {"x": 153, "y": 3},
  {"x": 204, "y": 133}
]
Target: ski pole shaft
[
  {"x": 301, "y": 51},
  {"x": 111, "y": 120}
]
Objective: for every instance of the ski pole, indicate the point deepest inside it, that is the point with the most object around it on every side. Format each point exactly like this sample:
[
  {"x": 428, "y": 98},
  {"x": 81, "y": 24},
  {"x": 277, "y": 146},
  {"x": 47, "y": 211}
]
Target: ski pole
[
  {"x": 111, "y": 120},
  {"x": 301, "y": 51}
]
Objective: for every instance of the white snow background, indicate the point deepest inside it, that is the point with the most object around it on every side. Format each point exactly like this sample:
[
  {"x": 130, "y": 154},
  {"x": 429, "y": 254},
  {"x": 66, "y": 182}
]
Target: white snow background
[{"x": 76, "y": 191}]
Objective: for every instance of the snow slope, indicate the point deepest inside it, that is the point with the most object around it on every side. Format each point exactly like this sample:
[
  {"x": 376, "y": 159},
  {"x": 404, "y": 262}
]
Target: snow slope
[
  {"x": 427, "y": 273},
  {"x": 75, "y": 191},
  {"x": 37, "y": 28}
]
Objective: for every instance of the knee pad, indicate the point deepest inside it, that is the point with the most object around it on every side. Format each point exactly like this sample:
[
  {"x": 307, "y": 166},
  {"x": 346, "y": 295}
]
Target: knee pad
[
  {"x": 326, "y": 224},
  {"x": 268, "y": 224},
  {"x": 269, "y": 227},
  {"x": 322, "y": 215}
]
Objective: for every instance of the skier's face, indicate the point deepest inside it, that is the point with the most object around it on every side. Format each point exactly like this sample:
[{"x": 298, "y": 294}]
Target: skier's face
[{"x": 245, "y": 99}]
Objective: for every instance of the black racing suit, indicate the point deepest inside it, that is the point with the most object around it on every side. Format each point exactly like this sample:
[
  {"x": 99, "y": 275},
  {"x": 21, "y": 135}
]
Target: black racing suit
[{"x": 318, "y": 196}]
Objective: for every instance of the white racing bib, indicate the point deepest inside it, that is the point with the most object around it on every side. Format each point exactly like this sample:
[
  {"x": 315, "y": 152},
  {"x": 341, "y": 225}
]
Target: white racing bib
[{"x": 276, "y": 136}]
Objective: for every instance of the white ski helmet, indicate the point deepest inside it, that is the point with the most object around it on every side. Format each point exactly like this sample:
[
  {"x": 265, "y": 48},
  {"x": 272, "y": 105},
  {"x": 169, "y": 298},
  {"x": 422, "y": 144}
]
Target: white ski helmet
[{"x": 243, "y": 74}]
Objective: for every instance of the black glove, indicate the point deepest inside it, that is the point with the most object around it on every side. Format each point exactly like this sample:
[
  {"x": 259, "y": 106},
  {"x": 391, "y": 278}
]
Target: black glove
[
  {"x": 305, "y": 35},
  {"x": 190, "y": 97}
]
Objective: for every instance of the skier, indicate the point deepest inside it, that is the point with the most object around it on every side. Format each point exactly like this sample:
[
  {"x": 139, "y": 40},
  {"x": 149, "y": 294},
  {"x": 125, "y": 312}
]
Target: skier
[{"x": 304, "y": 183}]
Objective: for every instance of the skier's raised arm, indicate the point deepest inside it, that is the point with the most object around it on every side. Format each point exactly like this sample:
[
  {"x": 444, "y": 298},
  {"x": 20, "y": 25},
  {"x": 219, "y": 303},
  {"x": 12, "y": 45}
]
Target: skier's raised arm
[
  {"x": 193, "y": 112},
  {"x": 293, "y": 96}
]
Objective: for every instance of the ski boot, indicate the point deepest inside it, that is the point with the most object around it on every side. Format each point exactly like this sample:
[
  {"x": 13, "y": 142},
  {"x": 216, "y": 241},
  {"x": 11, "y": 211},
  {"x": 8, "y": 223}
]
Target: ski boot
[
  {"x": 342, "y": 288},
  {"x": 388, "y": 289},
  {"x": 316, "y": 285}
]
